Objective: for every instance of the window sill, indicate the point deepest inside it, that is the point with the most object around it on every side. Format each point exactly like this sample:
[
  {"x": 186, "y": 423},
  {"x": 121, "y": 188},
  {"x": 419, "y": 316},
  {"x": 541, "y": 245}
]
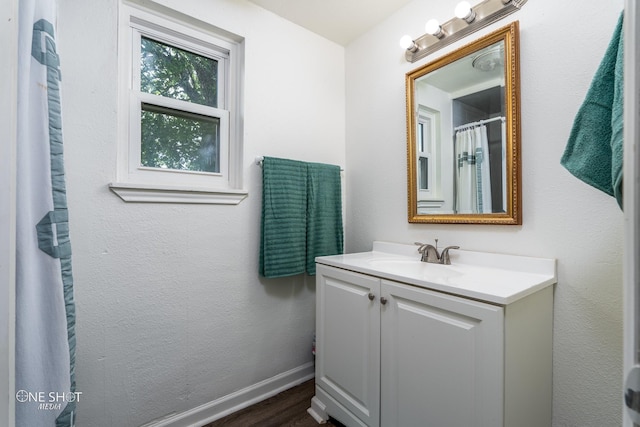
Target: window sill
[
  {"x": 428, "y": 207},
  {"x": 145, "y": 193}
]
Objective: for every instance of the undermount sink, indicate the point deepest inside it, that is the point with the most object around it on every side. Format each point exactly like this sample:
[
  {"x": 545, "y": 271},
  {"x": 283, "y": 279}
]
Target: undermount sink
[{"x": 495, "y": 278}]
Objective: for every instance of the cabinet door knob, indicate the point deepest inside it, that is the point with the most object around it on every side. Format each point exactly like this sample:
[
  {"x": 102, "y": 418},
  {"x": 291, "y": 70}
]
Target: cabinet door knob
[
  {"x": 383, "y": 300},
  {"x": 371, "y": 296}
]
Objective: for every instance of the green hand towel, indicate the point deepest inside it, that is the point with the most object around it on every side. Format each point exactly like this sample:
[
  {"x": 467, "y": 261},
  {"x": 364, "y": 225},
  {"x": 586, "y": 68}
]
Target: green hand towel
[
  {"x": 594, "y": 151},
  {"x": 283, "y": 250},
  {"x": 324, "y": 213}
]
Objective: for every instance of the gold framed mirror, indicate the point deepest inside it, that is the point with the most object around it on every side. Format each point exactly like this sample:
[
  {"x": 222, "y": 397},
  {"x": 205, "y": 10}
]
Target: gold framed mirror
[{"x": 463, "y": 134}]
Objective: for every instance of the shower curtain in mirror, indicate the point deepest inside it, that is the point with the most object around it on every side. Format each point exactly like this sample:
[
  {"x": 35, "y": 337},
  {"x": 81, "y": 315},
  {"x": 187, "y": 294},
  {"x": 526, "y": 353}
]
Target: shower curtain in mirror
[
  {"x": 473, "y": 180},
  {"x": 45, "y": 310}
]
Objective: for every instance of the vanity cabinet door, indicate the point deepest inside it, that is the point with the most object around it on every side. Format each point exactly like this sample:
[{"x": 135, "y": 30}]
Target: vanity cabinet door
[
  {"x": 348, "y": 341},
  {"x": 442, "y": 360}
]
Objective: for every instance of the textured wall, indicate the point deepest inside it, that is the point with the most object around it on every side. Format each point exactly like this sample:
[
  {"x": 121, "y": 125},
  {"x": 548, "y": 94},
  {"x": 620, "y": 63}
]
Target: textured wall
[
  {"x": 171, "y": 310},
  {"x": 561, "y": 46}
]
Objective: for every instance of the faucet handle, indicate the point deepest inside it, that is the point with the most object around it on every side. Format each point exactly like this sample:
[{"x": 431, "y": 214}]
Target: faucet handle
[
  {"x": 427, "y": 256},
  {"x": 444, "y": 256},
  {"x": 421, "y": 245}
]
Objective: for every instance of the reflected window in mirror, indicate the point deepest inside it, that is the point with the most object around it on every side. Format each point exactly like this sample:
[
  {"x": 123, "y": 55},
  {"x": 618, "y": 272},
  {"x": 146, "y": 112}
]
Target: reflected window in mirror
[
  {"x": 428, "y": 157},
  {"x": 423, "y": 159}
]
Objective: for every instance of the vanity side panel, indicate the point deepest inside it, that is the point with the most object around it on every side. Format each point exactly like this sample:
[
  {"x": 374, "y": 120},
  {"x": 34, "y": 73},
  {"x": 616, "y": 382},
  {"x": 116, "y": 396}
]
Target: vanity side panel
[{"x": 528, "y": 360}]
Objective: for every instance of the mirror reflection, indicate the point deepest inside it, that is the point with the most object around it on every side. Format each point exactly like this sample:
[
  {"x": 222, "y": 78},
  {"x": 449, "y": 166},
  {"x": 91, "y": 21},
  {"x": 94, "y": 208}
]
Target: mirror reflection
[{"x": 462, "y": 134}]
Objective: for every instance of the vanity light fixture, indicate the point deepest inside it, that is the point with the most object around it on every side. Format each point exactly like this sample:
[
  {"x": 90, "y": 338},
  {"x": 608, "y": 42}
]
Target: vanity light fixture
[{"x": 467, "y": 20}]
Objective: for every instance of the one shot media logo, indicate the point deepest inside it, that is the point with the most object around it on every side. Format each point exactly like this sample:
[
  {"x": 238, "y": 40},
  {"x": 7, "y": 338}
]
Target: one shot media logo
[{"x": 53, "y": 400}]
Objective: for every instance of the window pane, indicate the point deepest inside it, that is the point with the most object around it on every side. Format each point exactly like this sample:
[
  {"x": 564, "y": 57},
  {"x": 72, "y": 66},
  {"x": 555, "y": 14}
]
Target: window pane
[
  {"x": 426, "y": 136},
  {"x": 175, "y": 73},
  {"x": 178, "y": 140},
  {"x": 423, "y": 173}
]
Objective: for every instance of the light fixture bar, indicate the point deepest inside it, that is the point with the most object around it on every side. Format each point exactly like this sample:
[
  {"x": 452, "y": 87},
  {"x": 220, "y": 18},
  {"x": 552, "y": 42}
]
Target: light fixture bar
[{"x": 486, "y": 13}]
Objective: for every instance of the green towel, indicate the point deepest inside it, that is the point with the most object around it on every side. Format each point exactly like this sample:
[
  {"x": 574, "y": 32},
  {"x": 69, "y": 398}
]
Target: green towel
[
  {"x": 324, "y": 213},
  {"x": 301, "y": 216},
  {"x": 594, "y": 151},
  {"x": 283, "y": 246}
]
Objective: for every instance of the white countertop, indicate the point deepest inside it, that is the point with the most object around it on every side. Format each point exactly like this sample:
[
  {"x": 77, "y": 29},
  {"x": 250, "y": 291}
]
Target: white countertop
[{"x": 495, "y": 278}]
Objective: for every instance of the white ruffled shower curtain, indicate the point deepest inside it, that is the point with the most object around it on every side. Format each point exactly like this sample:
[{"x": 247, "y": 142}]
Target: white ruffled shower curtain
[
  {"x": 473, "y": 179},
  {"x": 45, "y": 310}
]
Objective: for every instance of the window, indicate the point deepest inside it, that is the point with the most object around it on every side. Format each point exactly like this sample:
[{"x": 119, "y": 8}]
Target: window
[
  {"x": 428, "y": 160},
  {"x": 178, "y": 99},
  {"x": 427, "y": 153},
  {"x": 180, "y": 137},
  {"x": 423, "y": 155}
]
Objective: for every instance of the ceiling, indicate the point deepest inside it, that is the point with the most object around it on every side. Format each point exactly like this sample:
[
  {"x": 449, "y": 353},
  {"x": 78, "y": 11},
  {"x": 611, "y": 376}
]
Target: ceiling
[
  {"x": 338, "y": 20},
  {"x": 450, "y": 77}
]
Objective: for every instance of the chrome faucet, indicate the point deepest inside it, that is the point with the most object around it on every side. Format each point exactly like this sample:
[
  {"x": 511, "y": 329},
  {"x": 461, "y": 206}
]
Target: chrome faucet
[{"x": 430, "y": 253}]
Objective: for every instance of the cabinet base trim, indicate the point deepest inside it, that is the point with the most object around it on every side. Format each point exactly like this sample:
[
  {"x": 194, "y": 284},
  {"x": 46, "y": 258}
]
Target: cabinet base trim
[
  {"x": 324, "y": 405},
  {"x": 318, "y": 411}
]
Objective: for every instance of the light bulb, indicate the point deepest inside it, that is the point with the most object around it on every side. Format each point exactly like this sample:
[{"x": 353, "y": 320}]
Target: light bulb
[
  {"x": 406, "y": 41},
  {"x": 433, "y": 27},
  {"x": 464, "y": 11}
]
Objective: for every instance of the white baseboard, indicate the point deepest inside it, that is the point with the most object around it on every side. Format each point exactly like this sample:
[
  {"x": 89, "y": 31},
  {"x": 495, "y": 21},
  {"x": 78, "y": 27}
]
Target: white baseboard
[{"x": 238, "y": 400}]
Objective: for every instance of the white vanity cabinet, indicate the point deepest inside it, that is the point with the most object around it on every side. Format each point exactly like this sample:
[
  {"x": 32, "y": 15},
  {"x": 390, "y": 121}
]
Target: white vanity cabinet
[
  {"x": 393, "y": 354},
  {"x": 348, "y": 345},
  {"x": 441, "y": 359}
]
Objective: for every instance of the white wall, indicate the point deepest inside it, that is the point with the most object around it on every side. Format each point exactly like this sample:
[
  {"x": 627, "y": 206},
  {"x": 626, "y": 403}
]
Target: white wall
[
  {"x": 561, "y": 46},
  {"x": 171, "y": 310}
]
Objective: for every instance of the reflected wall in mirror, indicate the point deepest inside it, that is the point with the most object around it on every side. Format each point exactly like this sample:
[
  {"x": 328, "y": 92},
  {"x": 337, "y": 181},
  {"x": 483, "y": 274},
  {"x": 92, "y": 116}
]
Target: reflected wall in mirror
[{"x": 463, "y": 134}]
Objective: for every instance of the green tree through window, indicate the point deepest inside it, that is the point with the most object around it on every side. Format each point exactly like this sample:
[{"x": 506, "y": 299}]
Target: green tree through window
[{"x": 170, "y": 138}]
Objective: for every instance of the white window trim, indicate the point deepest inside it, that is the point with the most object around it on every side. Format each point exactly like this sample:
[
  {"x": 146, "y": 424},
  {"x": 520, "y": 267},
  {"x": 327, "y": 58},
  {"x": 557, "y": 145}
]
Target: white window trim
[
  {"x": 427, "y": 115},
  {"x": 152, "y": 185}
]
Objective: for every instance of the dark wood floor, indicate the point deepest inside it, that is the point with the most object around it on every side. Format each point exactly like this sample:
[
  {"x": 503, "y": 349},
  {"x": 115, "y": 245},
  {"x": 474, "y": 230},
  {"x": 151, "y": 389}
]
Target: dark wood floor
[{"x": 288, "y": 408}]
